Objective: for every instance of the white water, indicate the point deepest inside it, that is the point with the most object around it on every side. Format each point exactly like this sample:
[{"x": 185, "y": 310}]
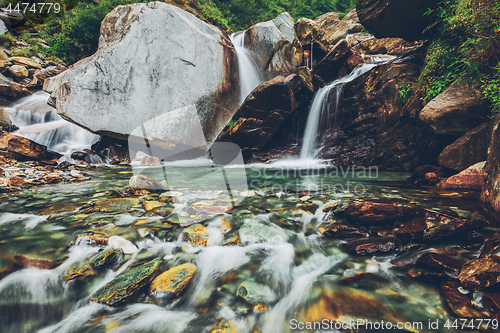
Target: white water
[
  {"x": 250, "y": 76},
  {"x": 322, "y": 101},
  {"x": 40, "y": 122}
]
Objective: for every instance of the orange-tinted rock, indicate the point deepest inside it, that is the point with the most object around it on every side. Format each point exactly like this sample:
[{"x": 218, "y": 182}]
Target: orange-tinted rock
[
  {"x": 173, "y": 282},
  {"x": 22, "y": 146},
  {"x": 459, "y": 303},
  {"x": 411, "y": 231},
  {"x": 377, "y": 212},
  {"x": 26, "y": 261},
  {"x": 371, "y": 246},
  {"x": 432, "y": 178},
  {"x": 480, "y": 273},
  {"x": 223, "y": 327},
  {"x": 196, "y": 234},
  {"x": 328, "y": 68},
  {"x": 426, "y": 276},
  {"x": 441, "y": 263},
  {"x": 16, "y": 181},
  {"x": 354, "y": 60},
  {"x": 471, "y": 178},
  {"x": 491, "y": 246}
]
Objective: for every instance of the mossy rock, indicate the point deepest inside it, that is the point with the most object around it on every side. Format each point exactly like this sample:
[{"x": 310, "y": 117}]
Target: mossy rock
[
  {"x": 80, "y": 272},
  {"x": 196, "y": 234},
  {"x": 223, "y": 327},
  {"x": 173, "y": 282},
  {"x": 253, "y": 292},
  {"x": 106, "y": 257},
  {"x": 123, "y": 287}
]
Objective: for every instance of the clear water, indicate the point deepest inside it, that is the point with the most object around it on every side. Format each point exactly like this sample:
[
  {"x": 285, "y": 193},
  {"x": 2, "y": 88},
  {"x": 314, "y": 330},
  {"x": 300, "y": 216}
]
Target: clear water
[{"x": 304, "y": 270}]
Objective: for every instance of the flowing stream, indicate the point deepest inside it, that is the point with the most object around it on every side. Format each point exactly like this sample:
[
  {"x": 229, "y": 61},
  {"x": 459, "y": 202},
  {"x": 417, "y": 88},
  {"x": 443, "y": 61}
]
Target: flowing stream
[
  {"x": 40, "y": 122},
  {"x": 249, "y": 73}
]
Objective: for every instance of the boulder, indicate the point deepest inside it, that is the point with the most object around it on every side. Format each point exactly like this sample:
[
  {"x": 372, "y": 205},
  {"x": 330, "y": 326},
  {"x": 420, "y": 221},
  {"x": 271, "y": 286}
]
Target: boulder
[
  {"x": 440, "y": 262},
  {"x": 18, "y": 71},
  {"x": 265, "y": 110},
  {"x": 159, "y": 72},
  {"x": 328, "y": 20},
  {"x": 173, "y": 282},
  {"x": 125, "y": 286},
  {"x": 371, "y": 246},
  {"x": 11, "y": 91},
  {"x": 21, "y": 147},
  {"x": 328, "y": 68},
  {"x": 396, "y": 18},
  {"x": 196, "y": 234},
  {"x": 141, "y": 182},
  {"x": 275, "y": 52},
  {"x": 480, "y": 273},
  {"x": 490, "y": 195},
  {"x": 357, "y": 38},
  {"x": 382, "y": 45},
  {"x": 469, "y": 149},
  {"x": 26, "y": 62},
  {"x": 11, "y": 18},
  {"x": 5, "y": 122},
  {"x": 253, "y": 293},
  {"x": 461, "y": 305},
  {"x": 379, "y": 212},
  {"x": 308, "y": 30},
  {"x": 452, "y": 229},
  {"x": 471, "y": 178},
  {"x": 106, "y": 257},
  {"x": 334, "y": 32},
  {"x": 80, "y": 272},
  {"x": 191, "y": 6},
  {"x": 3, "y": 28},
  {"x": 454, "y": 111},
  {"x": 346, "y": 231}
]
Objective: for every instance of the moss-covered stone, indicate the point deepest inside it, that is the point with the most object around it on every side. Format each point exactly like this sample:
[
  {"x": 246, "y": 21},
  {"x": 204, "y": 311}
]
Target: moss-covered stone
[
  {"x": 196, "y": 234},
  {"x": 80, "y": 272},
  {"x": 173, "y": 282},
  {"x": 123, "y": 287},
  {"x": 106, "y": 257}
]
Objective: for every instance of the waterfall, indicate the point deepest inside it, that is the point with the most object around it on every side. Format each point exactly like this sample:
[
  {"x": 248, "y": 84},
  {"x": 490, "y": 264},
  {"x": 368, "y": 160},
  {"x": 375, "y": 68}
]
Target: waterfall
[
  {"x": 40, "y": 122},
  {"x": 249, "y": 73},
  {"x": 322, "y": 101}
]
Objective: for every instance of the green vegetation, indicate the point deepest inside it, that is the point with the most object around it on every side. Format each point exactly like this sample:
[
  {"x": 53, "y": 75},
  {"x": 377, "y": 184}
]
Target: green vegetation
[
  {"x": 466, "y": 49},
  {"x": 74, "y": 34},
  {"x": 404, "y": 92}
]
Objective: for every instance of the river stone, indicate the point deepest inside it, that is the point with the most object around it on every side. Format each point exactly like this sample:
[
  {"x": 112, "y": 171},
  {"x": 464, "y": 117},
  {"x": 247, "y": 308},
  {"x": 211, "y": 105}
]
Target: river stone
[
  {"x": 334, "y": 32},
  {"x": 274, "y": 52},
  {"x": 328, "y": 21},
  {"x": 308, "y": 30},
  {"x": 452, "y": 229},
  {"x": 106, "y": 257},
  {"x": 440, "y": 262},
  {"x": 253, "y": 292},
  {"x": 257, "y": 232},
  {"x": 328, "y": 68},
  {"x": 480, "y": 273},
  {"x": 382, "y": 45},
  {"x": 18, "y": 71},
  {"x": 22, "y": 146},
  {"x": 469, "y": 149},
  {"x": 471, "y": 178},
  {"x": 124, "y": 286},
  {"x": 141, "y": 182},
  {"x": 492, "y": 302},
  {"x": 173, "y": 282},
  {"x": 28, "y": 63},
  {"x": 147, "y": 58},
  {"x": 379, "y": 212},
  {"x": 5, "y": 122},
  {"x": 454, "y": 111},
  {"x": 223, "y": 327},
  {"x": 264, "y": 111},
  {"x": 459, "y": 303},
  {"x": 115, "y": 204},
  {"x": 346, "y": 231},
  {"x": 80, "y": 272},
  {"x": 396, "y": 18},
  {"x": 371, "y": 246},
  {"x": 196, "y": 234},
  {"x": 121, "y": 243}
]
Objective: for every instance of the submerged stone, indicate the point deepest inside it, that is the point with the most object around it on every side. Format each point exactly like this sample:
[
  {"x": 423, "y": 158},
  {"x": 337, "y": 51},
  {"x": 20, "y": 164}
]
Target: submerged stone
[
  {"x": 378, "y": 212},
  {"x": 342, "y": 230},
  {"x": 173, "y": 282},
  {"x": 141, "y": 182},
  {"x": 460, "y": 304},
  {"x": 115, "y": 204},
  {"x": 106, "y": 257},
  {"x": 253, "y": 292},
  {"x": 80, "y": 272},
  {"x": 441, "y": 262},
  {"x": 255, "y": 232},
  {"x": 223, "y": 327},
  {"x": 411, "y": 231},
  {"x": 196, "y": 234},
  {"x": 453, "y": 228},
  {"x": 371, "y": 246},
  {"x": 25, "y": 261},
  {"x": 123, "y": 287}
]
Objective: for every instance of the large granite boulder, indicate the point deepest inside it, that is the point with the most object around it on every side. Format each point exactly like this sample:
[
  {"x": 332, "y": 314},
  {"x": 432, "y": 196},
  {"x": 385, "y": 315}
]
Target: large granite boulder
[
  {"x": 396, "y": 18},
  {"x": 274, "y": 45},
  {"x": 471, "y": 178},
  {"x": 490, "y": 195},
  {"x": 469, "y": 149},
  {"x": 159, "y": 72},
  {"x": 21, "y": 148},
  {"x": 454, "y": 111},
  {"x": 333, "y": 33}
]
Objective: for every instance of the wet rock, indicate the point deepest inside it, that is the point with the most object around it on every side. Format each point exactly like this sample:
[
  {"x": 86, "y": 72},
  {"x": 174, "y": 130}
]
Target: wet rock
[
  {"x": 18, "y": 71},
  {"x": 183, "y": 112},
  {"x": 396, "y": 18},
  {"x": 382, "y": 45},
  {"x": 491, "y": 247},
  {"x": 308, "y": 30},
  {"x": 371, "y": 246},
  {"x": 114, "y": 205},
  {"x": 455, "y": 111},
  {"x": 173, "y": 282},
  {"x": 231, "y": 240},
  {"x": 472, "y": 239},
  {"x": 256, "y": 293},
  {"x": 22, "y": 147},
  {"x": 141, "y": 182},
  {"x": 419, "y": 177},
  {"x": 451, "y": 229},
  {"x": 264, "y": 111},
  {"x": 81, "y": 272},
  {"x": 257, "y": 232},
  {"x": 480, "y": 273},
  {"x": 223, "y": 327},
  {"x": 16, "y": 181},
  {"x": 346, "y": 231},
  {"x": 357, "y": 38},
  {"x": 5, "y": 122},
  {"x": 410, "y": 231},
  {"x": 25, "y": 261},
  {"x": 106, "y": 257},
  {"x": 333, "y": 31},
  {"x": 196, "y": 234},
  {"x": 471, "y": 178},
  {"x": 41, "y": 75},
  {"x": 490, "y": 195},
  {"x": 469, "y": 149},
  {"x": 441, "y": 263},
  {"x": 492, "y": 302},
  {"x": 328, "y": 68},
  {"x": 426, "y": 276},
  {"x": 124, "y": 286},
  {"x": 459, "y": 303},
  {"x": 149, "y": 205},
  {"x": 378, "y": 212}
]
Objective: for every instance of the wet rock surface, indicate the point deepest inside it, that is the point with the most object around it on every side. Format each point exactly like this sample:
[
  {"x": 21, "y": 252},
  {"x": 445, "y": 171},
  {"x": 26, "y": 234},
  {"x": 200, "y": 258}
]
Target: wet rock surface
[
  {"x": 471, "y": 178},
  {"x": 480, "y": 273},
  {"x": 377, "y": 212},
  {"x": 372, "y": 246},
  {"x": 173, "y": 282}
]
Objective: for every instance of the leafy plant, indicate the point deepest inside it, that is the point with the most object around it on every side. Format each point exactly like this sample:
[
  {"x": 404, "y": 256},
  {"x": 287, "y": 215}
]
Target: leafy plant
[{"x": 405, "y": 91}]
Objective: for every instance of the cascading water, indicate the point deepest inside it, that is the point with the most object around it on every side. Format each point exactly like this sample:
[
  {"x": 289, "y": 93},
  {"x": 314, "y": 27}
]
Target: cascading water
[
  {"x": 322, "y": 101},
  {"x": 250, "y": 76},
  {"x": 40, "y": 122}
]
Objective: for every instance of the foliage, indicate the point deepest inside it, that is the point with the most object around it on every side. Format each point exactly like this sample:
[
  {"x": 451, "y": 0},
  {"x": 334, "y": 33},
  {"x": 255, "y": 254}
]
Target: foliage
[
  {"x": 7, "y": 40},
  {"x": 404, "y": 92},
  {"x": 466, "y": 49}
]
